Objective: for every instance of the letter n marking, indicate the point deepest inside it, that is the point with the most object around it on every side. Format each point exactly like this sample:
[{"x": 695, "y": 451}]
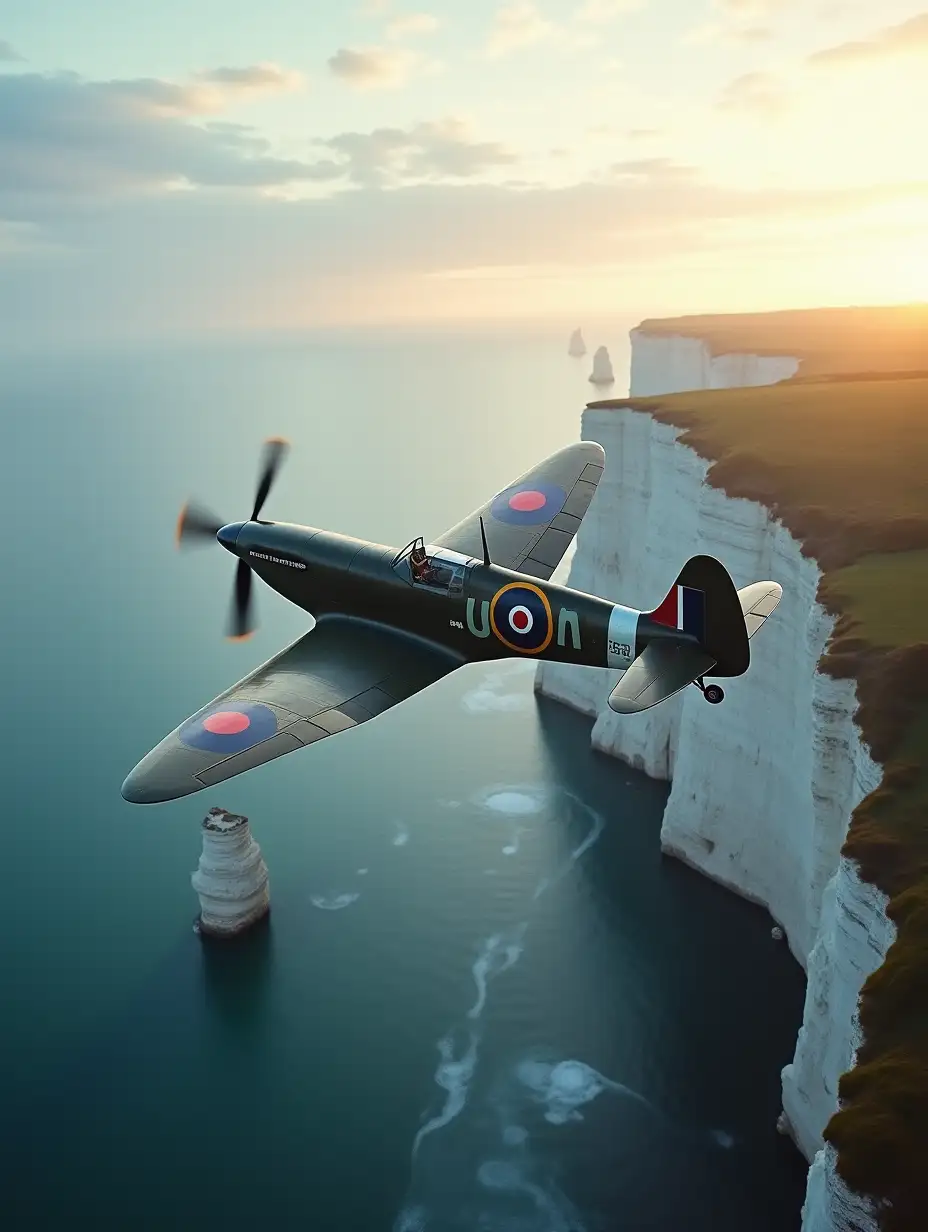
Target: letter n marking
[{"x": 567, "y": 619}]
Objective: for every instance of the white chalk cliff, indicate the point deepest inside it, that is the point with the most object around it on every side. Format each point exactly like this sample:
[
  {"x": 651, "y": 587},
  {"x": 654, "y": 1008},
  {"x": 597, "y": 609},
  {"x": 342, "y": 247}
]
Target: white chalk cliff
[
  {"x": 663, "y": 364},
  {"x": 231, "y": 879},
  {"x": 763, "y": 786}
]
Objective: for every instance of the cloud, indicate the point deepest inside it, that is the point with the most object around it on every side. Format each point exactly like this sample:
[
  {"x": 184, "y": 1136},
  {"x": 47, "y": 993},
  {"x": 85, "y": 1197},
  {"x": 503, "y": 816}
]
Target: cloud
[
  {"x": 758, "y": 93},
  {"x": 429, "y": 151},
  {"x": 753, "y": 9},
  {"x": 642, "y": 134},
  {"x": 751, "y": 34},
  {"x": 220, "y": 259},
  {"x": 373, "y": 68},
  {"x": 599, "y": 12},
  {"x": 740, "y": 22},
  {"x": 516, "y": 25},
  {"x": 412, "y": 25},
  {"x": 907, "y": 38},
  {"x": 62, "y": 135},
  {"x": 654, "y": 169},
  {"x": 251, "y": 78},
  {"x": 18, "y": 238},
  {"x": 8, "y": 53}
]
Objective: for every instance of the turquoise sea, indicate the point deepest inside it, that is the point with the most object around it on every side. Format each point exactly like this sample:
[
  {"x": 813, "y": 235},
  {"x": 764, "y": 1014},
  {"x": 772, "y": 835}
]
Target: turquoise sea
[{"x": 484, "y": 1000}]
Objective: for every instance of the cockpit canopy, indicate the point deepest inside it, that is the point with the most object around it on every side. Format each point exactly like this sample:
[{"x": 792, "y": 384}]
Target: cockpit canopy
[{"x": 437, "y": 569}]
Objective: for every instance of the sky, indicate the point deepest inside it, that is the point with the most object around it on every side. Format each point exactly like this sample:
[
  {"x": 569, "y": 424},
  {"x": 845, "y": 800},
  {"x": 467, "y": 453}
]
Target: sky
[{"x": 189, "y": 166}]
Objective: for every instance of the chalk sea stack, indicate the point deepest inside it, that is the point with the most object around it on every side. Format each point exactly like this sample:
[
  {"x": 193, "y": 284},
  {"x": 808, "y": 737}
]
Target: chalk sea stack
[
  {"x": 602, "y": 373},
  {"x": 231, "y": 879},
  {"x": 576, "y": 347}
]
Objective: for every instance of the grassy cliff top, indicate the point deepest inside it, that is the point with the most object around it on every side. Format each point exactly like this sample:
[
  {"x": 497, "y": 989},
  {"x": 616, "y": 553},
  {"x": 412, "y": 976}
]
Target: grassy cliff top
[
  {"x": 826, "y": 340},
  {"x": 844, "y": 465}
]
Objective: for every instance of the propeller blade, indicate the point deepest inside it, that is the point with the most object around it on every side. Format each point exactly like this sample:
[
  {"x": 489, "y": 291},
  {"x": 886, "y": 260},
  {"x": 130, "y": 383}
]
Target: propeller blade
[
  {"x": 275, "y": 451},
  {"x": 241, "y": 621},
  {"x": 196, "y": 524}
]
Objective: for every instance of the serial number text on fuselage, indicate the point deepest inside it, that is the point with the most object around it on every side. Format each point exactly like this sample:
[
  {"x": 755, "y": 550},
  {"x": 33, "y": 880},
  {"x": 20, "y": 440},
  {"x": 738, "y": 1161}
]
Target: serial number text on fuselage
[{"x": 277, "y": 560}]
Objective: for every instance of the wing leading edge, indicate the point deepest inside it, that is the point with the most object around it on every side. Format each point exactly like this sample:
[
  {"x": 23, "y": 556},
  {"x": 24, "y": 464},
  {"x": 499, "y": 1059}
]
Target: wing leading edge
[
  {"x": 530, "y": 524},
  {"x": 340, "y": 674}
]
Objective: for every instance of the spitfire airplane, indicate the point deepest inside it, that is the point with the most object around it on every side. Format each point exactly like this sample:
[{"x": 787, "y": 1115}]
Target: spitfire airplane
[{"x": 389, "y": 624}]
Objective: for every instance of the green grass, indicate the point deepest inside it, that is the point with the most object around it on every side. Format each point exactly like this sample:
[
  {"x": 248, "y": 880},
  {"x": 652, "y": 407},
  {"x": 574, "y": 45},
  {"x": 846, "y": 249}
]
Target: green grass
[
  {"x": 867, "y": 590},
  {"x": 825, "y": 340},
  {"x": 844, "y": 464}
]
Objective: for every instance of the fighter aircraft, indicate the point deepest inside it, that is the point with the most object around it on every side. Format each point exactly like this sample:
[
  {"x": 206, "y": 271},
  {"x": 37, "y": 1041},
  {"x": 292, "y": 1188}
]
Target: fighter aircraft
[{"x": 389, "y": 624}]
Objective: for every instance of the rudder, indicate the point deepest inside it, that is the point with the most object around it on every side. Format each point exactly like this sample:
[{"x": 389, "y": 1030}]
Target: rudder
[{"x": 704, "y": 603}]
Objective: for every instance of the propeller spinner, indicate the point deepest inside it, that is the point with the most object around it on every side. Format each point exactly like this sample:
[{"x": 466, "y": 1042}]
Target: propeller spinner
[{"x": 197, "y": 525}]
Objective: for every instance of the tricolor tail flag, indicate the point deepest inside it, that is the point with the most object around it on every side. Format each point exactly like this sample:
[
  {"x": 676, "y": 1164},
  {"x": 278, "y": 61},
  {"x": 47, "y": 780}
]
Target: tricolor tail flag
[{"x": 684, "y": 608}]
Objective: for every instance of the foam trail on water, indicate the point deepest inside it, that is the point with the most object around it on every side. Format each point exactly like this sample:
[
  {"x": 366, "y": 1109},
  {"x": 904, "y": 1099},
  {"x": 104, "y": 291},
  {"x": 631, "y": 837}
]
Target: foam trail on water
[
  {"x": 412, "y": 1219},
  {"x": 499, "y": 1174},
  {"x": 513, "y": 801},
  {"x": 453, "y": 1075},
  {"x": 597, "y": 825},
  {"x": 512, "y": 847},
  {"x": 490, "y": 694},
  {"x": 487, "y": 700},
  {"x": 401, "y": 837},
  {"x": 498, "y": 954},
  {"x": 566, "y": 1086},
  {"x": 333, "y": 902}
]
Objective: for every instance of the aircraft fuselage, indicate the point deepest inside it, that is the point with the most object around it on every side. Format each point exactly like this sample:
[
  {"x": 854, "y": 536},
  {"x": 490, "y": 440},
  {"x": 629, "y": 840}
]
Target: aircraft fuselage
[{"x": 476, "y": 611}]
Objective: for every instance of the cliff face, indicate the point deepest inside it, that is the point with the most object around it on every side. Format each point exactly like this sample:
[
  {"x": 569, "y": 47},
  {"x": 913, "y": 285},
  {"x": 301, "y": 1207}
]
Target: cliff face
[
  {"x": 670, "y": 365},
  {"x": 763, "y": 786}
]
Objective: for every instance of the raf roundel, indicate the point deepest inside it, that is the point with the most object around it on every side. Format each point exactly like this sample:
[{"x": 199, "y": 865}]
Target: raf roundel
[
  {"x": 529, "y": 504},
  {"x": 520, "y": 616},
  {"x": 229, "y": 727}
]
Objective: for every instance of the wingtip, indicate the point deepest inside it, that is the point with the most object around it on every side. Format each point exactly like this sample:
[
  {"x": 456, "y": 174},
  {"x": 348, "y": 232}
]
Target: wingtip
[{"x": 134, "y": 791}]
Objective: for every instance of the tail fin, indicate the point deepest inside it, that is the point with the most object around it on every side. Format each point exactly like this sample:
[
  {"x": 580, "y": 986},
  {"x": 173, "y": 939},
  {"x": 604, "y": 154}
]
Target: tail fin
[{"x": 704, "y": 603}]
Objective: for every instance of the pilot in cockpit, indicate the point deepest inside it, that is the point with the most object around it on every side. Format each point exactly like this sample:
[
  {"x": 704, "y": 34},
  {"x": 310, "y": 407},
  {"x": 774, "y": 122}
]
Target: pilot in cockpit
[{"x": 419, "y": 563}]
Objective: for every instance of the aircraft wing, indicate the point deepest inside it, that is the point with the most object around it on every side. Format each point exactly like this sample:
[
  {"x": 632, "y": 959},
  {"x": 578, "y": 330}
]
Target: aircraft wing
[
  {"x": 340, "y": 674},
  {"x": 530, "y": 524},
  {"x": 758, "y": 601},
  {"x": 662, "y": 669}
]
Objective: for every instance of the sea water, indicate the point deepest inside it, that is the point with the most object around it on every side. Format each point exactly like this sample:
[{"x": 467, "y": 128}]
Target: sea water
[{"x": 484, "y": 999}]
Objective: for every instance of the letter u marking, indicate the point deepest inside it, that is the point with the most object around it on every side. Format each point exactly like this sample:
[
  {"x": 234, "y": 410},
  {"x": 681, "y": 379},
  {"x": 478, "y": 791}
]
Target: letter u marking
[{"x": 484, "y": 618}]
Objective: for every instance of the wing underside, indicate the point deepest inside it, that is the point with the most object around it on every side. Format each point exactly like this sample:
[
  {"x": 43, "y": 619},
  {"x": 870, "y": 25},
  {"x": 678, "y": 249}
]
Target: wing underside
[
  {"x": 662, "y": 669},
  {"x": 335, "y": 677},
  {"x": 530, "y": 524}
]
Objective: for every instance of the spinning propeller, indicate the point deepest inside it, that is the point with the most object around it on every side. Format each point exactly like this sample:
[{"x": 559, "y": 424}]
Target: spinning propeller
[{"x": 197, "y": 525}]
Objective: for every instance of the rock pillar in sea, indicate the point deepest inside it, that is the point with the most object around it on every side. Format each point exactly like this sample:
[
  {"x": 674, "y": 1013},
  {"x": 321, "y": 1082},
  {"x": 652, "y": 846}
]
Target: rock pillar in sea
[
  {"x": 231, "y": 879},
  {"x": 602, "y": 368},
  {"x": 576, "y": 347}
]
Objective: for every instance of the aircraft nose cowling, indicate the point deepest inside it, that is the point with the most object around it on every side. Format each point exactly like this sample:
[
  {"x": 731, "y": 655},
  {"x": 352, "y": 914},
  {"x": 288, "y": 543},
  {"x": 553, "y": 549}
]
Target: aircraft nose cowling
[{"x": 228, "y": 535}]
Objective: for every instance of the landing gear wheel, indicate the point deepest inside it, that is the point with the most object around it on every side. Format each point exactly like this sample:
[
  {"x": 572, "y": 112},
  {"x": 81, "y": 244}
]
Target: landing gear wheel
[{"x": 713, "y": 693}]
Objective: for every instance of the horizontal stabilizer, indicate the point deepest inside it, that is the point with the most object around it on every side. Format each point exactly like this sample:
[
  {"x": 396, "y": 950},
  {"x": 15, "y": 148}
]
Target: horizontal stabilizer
[
  {"x": 758, "y": 601},
  {"x": 663, "y": 668}
]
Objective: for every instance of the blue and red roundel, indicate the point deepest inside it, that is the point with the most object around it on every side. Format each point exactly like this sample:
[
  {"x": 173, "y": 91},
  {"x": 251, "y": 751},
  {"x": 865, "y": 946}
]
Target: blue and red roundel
[
  {"x": 520, "y": 616},
  {"x": 529, "y": 504},
  {"x": 229, "y": 727}
]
